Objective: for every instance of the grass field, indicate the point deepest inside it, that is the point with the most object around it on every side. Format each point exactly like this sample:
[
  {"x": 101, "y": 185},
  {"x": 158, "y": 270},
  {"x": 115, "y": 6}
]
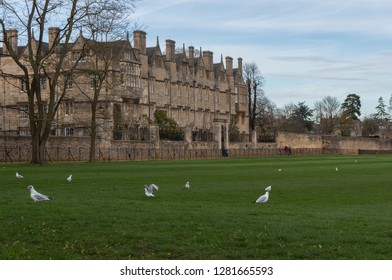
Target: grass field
[{"x": 314, "y": 211}]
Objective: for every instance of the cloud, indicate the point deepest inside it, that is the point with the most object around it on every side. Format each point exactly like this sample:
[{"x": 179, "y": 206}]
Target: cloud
[
  {"x": 157, "y": 7},
  {"x": 310, "y": 58},
  {"x": 306, "y": 49}
]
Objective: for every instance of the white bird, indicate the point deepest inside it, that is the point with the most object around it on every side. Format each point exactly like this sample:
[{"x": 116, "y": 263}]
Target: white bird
[
  {"x": 279, "y": 169},
  {"x": 336, "y": 169},
  {"x": 187, "y": 185},
  {"x": 268, "y": 188},
  {"x": 19, "y": 176},
  {"x": 69, "y": 179},
  {"x": 153, "y": 187},
  {"x": 148, "y": 190},
  {"x": 263, "y": 198},
  {"x": 36, "y": 196}
]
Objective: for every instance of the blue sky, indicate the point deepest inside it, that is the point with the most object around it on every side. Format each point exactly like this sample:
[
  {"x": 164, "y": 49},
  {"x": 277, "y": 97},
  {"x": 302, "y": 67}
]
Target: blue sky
[{"x": 306, "y": 49}]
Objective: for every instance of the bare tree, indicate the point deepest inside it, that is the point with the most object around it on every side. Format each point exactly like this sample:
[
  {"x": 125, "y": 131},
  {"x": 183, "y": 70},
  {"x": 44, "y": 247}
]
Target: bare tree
[
  {"x": 91, "y": 80},
  {"x": 102, "y": 67},
  {"x": 265, "y": 115},
  {"x": 369, "y": 127},
  {"x": 254, "y": 81},
  {"x": 41, "y": 61},
  {"x": 284, "y": 120},
  {"x": 327, "y": 114}
]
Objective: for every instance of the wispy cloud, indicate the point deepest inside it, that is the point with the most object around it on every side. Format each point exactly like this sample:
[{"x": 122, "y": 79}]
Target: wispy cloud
[
  {"x": 305, "y": 48},
  {"x": 156, "y": 7}
]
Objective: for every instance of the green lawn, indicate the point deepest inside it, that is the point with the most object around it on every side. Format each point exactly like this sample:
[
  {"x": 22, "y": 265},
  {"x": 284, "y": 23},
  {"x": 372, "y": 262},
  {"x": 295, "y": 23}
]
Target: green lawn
[{"x": 314, "y": 211}]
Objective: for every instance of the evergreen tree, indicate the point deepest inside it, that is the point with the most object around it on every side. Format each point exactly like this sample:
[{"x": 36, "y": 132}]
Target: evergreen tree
[
  {"x": 381, "y": 114},
  {"x": 352, "y": 106},
  {"x": 302, "y": 115}
]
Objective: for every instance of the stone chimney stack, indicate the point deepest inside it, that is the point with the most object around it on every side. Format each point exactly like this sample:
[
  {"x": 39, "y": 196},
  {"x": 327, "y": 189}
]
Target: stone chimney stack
[
  {"x": 240, "y": 66},
  {"x": 208, "y": 57},
  {"x": 170, "y": 50},
  {"x": 11, "y": 35},
  {"x": 54, "y": 38},
  {"x": 229, "y": 66},
  {"x": 191, "y": 56},
  {"x": 139, "y": 38}
]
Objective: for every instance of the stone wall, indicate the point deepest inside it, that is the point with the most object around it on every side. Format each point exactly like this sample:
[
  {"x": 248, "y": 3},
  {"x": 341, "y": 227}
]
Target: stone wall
[
  {"x": 62, "y": 149},
  {"x": 298, "y": 141}
]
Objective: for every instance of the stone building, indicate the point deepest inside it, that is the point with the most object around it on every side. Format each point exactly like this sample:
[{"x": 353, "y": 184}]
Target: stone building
[{"x": 202, "y": 96}]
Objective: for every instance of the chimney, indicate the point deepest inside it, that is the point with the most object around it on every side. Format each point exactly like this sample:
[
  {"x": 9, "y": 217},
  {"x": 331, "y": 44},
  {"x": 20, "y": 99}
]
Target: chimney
[
  {"x": 183, "y": 53},
  {"x": 54, "y": 38},
  {"x": 139, "y": 38},
  {"x": 11, "y": 35},
  {"x": 170, "y": 50},
  {"x": 229, "y": 66},
  {"x": 191, "y": 56},
  {"x": 208, "y": 56},
  {"x": 240, "y": 66}
]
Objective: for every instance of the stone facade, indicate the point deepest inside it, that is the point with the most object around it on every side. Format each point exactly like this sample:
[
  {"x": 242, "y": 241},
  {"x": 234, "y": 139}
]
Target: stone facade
[{"x": 197, "y": 93}]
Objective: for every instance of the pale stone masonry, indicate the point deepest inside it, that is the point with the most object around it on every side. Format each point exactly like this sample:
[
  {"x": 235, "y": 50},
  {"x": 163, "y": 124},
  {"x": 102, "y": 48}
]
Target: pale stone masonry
[{"x": 199, "y": 94}]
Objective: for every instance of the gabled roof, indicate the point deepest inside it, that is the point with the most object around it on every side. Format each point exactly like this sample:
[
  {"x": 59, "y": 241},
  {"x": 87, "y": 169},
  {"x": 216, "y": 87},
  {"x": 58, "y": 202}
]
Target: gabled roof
[
  {"x": 116, "y": 47},
  {"x": 154, "y": 55}
]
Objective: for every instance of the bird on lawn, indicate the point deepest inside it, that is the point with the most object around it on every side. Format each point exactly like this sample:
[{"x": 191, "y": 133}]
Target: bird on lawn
[
  {"x": 264, "y": 197},
  {"x": 36, "y": 196},
  {"x": 187, "y": 185},
  {"x": 148, "y": 190},
  {"x": 69, "y": 178},
  {"x": 18, "y": 176}
]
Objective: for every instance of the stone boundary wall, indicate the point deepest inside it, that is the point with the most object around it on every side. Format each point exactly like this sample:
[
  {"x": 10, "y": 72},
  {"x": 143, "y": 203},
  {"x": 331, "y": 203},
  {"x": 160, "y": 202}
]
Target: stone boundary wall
[
  {"x": 309, "y": 141},
  {"x": 67, "y": 149},
  {"x": 296, "y": 141}
]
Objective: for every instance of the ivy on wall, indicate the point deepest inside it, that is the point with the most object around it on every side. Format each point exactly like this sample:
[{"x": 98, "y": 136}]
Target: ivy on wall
[{"x": 168, "y": 128}]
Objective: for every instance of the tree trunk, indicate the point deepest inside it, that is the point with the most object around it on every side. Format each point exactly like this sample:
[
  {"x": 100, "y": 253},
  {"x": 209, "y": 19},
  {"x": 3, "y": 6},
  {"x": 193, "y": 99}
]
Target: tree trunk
[
  {"x": 92, "y": 142},
  {"x": 93, "y": 133},
  {"x": 254, "y": 105},
  {"x": 249, "y": 108},
  {"x": 38, "y": 145}
]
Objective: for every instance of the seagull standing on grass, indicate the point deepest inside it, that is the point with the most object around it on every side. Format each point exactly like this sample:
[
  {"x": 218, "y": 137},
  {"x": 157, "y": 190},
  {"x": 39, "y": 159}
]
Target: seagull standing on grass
[
  {"x": 18, "y": 176},
  {"x": 36, "y": 196},
  {"x": 264, "y": 197},
  {"x": 187, "y": 185},
  {"x": 148, "y": 190},
  {"x": 69, "y": 179}
]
